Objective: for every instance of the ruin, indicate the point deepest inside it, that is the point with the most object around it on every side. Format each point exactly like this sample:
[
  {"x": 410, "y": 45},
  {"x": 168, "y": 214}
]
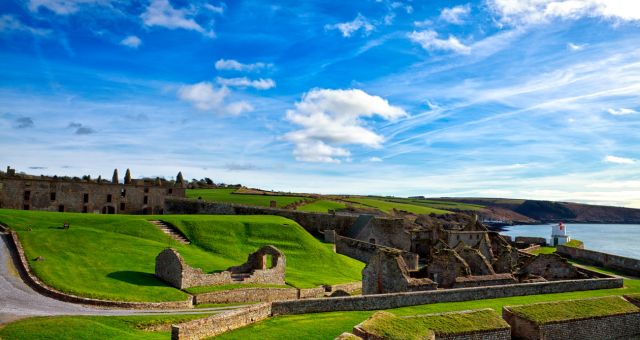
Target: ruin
[
  {"x": 387, "y": 272},
  {"x": 265, "y": 266},
  {"x": 63, "y": 194}
]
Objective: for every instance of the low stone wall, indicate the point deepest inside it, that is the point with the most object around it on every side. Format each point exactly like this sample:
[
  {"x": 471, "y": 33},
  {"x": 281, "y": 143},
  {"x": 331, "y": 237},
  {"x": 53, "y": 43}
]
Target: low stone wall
[
  {"x": 247, "y": 295},
  {"x": 530, "y": 250},
  {"x": 531, "y": 240},
  {"x": 396, "y": 300},
  {"x": 311, "y": 293},
  {"x": 620, "y": 263},
  {"x": 363, "y": 251},
  {"x": 349, "y": 288},
  {"x": 220, "y": 323},
  {"x": 623, "y": 326},
  {"x": 34, "y": 282}
]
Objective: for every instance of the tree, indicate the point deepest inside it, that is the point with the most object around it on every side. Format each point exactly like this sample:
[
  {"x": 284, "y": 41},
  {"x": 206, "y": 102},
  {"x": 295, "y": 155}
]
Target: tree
[
  {"x": 208, "y": 180},
  {"x": 180, "y": 179},
  {"x": 127, "y": 177},
  {"x": 115, "y": 179}
]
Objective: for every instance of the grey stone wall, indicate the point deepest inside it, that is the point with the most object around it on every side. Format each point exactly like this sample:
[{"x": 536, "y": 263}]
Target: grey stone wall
[
  {"x": 531, "y": 240},
  {"x": 624, "y": 326},
  {"x": 363, "y": 251},
  {"x": 220, "y": 323},
  {"x": 172, "y": 268},
  {"x": 396, "y": 300},
  {"x": 386, "y": 272},
  {"x": 247, "y": 295},
  {"x": 623, "y": 264},
  {"x": 551, "y": 267}
]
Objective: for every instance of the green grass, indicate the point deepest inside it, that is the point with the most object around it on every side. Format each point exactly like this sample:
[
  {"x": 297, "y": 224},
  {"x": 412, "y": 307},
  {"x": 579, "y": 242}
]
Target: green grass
[
  {"x": 228, "y": 196},
  {"x": 575, "y": 244},
  {"x": 387, "y": 206},
  {"x": 322, "y": 206},
  {"x": 390, "y": 326},
  {"x": 207, "y": 289},
  {"x": 544, "y": 250},
  {"x": 330, "y": 325},
  {"x": 544, "y": 313},
  {"x": 92, "y": 327},
  {"x": 231, "y": 238},
  {"x": 437, "y": 204},
  {"x": 113, "y": 256}
]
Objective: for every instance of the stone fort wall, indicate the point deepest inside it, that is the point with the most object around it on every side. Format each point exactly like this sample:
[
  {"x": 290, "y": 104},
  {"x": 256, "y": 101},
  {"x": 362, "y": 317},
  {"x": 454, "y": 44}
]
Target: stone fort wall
[
  {"x": 623, "y": 264},
  {"x": 218, "y": 324}
]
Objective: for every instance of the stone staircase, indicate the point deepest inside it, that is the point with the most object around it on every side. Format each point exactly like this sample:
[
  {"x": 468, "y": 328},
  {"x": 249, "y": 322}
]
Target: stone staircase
[{"x": 171, "y": 231}]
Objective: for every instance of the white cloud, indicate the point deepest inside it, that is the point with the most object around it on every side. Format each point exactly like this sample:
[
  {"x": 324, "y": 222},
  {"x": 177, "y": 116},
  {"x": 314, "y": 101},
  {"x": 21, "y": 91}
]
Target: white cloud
[
  {"x": 10, "y": 24},
  {"x": 259, "y": 84},
  {"x": 350, "y": 27},
  {"x": 63, "y": 7},
  {"x": 374, "y": 159},
  {"x": 428, "y": 39},
  {"x": 518, "y": 12},
  {"x": 203, "y": 96},
  {"x": 334, "y": 117},
  {"x": 622, "y": 111},
  {"x": 423, "y": 23},
  {"x": 131, "y": 41},
  {"x": 161, "y": 13},
  {"x": 235, "y": 65},
  {"x": 455, "y": 15},
  {"x": 619, "y": 160},
  {"x": 576, "y": 47},
  {"x": 216, "y": 9}
]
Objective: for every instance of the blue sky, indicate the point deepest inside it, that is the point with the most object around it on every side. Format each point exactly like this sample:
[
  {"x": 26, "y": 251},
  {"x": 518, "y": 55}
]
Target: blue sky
[{"x": 501, "y": 98}]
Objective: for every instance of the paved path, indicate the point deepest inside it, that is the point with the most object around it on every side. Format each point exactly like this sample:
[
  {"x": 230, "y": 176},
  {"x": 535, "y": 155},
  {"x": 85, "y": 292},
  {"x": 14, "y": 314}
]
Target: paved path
[{"x": 18, "y": 300}]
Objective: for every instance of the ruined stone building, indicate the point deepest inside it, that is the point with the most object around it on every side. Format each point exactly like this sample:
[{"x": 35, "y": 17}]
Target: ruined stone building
[{"x": 133, "y": 196}]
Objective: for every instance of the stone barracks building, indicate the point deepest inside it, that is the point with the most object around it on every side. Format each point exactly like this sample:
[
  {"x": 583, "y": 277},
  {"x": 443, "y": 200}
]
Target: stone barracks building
[{"x": 133, "y": 196}]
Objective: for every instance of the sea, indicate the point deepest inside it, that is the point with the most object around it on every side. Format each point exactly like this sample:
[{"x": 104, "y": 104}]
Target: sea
[{"x": 618, "y": 239}]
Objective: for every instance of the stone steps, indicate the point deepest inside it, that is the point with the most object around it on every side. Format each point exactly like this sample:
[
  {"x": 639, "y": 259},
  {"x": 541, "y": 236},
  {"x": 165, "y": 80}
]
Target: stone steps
[{"x": 169, "y": 230}]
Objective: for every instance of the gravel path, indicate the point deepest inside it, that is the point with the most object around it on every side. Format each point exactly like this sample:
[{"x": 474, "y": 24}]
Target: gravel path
[{"x": 18, "y": 300}]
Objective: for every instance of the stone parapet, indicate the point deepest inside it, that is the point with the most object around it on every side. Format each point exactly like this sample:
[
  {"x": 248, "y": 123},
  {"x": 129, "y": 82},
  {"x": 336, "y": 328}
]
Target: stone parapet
[{"x": 247, "y": 295}]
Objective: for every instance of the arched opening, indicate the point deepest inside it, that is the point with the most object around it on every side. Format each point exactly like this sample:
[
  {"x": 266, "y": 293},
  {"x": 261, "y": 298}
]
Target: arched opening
[{"x": 108, "y": 210}]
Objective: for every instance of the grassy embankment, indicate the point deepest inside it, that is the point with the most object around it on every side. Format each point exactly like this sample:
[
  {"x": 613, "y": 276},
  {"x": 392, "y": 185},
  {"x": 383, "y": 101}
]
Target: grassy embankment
[
  {"x": 228, "y": 196},
  {"x": 544, "y": 313},
  {"x": 436, "y": 204},
  {"x": 94, "y": 327},
  {"x": 322, "y": 206},
  {"x": 387, "y": 206},
  {"x": 389, "y": 326},
  {"x": 113, "y": 256}
]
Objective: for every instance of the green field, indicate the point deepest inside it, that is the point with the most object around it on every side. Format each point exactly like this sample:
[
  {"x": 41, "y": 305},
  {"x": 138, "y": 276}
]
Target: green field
[
  {"x": 228, "y": 196},
  {"x": 93, "y": 327},
  {"x": 322, "y": 206},
  {"x": 113, "y": 256},
  {"x": 436, "y": 204},
  {"x": 387, "y": 207}
]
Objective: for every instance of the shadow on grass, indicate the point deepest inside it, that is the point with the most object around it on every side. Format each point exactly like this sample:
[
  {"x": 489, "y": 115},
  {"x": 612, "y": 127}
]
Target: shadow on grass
[{"x": 137, "y": 278}]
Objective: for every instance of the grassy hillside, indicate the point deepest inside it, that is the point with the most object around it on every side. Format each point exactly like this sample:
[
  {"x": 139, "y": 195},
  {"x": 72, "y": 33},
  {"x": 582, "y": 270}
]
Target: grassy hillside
[
  {"x": 387, "y": 206},
  {"x": 228, "y": 196},
  {"x": 309, "y": 262},
  {"x": 93, "y": 327},
  {"x": 322, "y": 206},
  {"x": 436, "y": 204},
  {"x": 113, "y": 256}
]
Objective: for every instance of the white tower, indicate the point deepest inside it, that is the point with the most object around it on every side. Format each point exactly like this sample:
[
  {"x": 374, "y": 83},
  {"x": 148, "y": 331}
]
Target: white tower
[{"x": 559, "y": 235}]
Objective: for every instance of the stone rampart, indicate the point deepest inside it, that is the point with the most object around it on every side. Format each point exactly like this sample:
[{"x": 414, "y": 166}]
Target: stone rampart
[
  {"x": 220, "y": 323},
  {"x": 623, "y": 264},
  {"x": 22, "y": 264},
  {"x": 396, "y": 300},
  {"x": 247, "y": 295},
  {"x": 531, "y": 240},
  {"x": 312, "y": 222},
  {"x": 622, "y": 326},
  {"x": 363, "y": 251}
]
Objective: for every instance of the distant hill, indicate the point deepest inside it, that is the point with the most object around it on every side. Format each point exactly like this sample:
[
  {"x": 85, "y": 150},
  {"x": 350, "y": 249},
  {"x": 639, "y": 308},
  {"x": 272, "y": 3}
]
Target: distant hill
[{"x": 531, "y": 211}]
